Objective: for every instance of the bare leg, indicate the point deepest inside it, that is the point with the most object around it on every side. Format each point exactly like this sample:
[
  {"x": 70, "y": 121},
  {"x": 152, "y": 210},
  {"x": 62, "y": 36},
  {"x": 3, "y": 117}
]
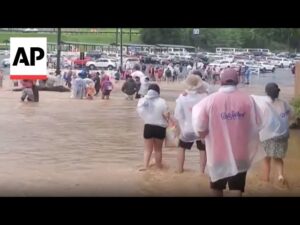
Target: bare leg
[
  {"x": 279, "y": 167},
  {"x": 158, "y": 143},
  {"x": 202, "y": 161},
  {"x": 147, "y": 152},
  {"x": 267, "y": 169},
  {"x": 217, "y": 193},
  {"x": 235, "y": 193},
  {"x": 180, "y": 159}
]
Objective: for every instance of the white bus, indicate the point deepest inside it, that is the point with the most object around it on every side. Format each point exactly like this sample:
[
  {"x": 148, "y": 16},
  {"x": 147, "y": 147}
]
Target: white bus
[{"x": 242, "y": 50}]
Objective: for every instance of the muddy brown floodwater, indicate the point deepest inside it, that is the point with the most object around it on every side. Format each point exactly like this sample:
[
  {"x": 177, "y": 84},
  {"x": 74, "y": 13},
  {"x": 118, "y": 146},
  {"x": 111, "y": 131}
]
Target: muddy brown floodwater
[{"x": 66, "y": 147}]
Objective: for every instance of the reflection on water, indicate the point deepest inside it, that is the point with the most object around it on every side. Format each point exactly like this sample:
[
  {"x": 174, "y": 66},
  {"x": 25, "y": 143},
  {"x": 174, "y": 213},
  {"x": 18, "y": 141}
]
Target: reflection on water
[{"x": 61, "y": 146}]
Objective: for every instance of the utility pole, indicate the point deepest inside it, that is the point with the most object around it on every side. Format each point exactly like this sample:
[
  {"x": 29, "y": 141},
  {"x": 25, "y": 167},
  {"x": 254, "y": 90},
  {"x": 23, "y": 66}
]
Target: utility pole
[
  {"x": 58, "y": 51},
  {"x": 117, "y": 34},
  {"x": 121, "y": 43}
]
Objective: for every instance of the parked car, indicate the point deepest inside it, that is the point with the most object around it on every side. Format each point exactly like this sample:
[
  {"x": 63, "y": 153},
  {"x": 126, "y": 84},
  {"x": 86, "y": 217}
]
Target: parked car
[
  {"x": 132, "y": 61},
  {"x": 221, "y": 63},
  {"x": 280, "y": 62},
  {"x": 266, "y": 67},
  {"x": 102, "y": 63},
  {"x": 6, "y": 62},
  {"x": 284, "y": 63},
  {"x": 5, "y": 52},
  {"x": 81, "y": 62}
]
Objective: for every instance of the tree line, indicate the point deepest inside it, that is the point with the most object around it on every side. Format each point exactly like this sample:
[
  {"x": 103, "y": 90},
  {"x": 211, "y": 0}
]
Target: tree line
[{"x": 276, "y": 39}]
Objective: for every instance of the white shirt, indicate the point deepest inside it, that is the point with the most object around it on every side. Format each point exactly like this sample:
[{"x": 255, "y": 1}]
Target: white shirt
[{"x": 153, "y": 116}]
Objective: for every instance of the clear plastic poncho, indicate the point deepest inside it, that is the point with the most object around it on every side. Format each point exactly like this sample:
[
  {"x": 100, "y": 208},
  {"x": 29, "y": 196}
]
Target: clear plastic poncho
[
  {"x": 232, "y": 122},
  {"x": 275, "y": 117},
  {"x": 183, "y": 114},
  {"x": 79, "y": 88}
]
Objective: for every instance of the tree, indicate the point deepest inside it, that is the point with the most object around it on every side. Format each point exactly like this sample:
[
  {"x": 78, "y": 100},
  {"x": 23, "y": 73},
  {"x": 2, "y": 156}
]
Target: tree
[{"x": 210, "y": 38}]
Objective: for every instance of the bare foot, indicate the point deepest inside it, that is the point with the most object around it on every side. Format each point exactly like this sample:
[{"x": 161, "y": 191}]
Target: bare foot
[
  {"x": 143, "y": 169},
  {"x": 282, "y": 183},
  {"x": 202, "y": 174}
]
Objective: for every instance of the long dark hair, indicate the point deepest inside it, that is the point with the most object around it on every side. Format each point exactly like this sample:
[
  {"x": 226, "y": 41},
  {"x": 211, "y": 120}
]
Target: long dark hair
[
  {"x": 272, "y": 90},
  {"x": 154, "y": 87}
]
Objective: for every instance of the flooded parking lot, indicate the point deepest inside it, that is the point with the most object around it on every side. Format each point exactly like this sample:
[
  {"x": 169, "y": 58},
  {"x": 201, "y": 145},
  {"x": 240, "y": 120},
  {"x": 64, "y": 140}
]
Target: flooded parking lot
[{"x": 66, "y": 147}]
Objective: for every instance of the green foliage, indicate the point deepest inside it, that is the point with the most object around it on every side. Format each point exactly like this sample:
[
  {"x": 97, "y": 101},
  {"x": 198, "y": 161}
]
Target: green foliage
[
  {"x": 276, "y": 39},
  {"x": 105, "y": 38},
  {"x": 282, "y": 39},
  {"x": 296, "y": 105}
]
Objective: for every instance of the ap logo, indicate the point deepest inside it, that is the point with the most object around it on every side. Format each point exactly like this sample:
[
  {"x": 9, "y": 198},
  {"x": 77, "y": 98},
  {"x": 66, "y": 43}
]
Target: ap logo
[{"x": 28, "y": 58}]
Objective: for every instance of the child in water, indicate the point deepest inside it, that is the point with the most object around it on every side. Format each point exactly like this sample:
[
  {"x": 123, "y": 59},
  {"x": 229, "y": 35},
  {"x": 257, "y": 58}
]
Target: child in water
[
  {"x": 90, "y": 91},
  {"x": 106, "y": 87}
]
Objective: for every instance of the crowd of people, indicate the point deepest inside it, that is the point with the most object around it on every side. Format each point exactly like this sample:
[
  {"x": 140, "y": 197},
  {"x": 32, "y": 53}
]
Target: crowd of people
[{"x": 228, "y": 126}]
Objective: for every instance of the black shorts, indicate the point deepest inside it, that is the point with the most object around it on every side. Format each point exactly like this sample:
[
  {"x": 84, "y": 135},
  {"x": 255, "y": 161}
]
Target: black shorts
[
  {"x": 188, "y": 145},
  {"x": 236, "y": 182},
  {"x": 154, "y": 131}
]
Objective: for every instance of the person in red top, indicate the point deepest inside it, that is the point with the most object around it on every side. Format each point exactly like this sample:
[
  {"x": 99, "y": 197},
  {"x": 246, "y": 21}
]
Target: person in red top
[{"x": 160, "y": 73}]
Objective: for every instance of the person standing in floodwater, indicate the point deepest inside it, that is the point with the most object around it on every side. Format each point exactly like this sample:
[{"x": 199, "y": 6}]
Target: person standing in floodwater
[
  {"x": 35, "y": 91},
  {"x": 129, "y": 88},
  {"x": 155, "y": 114},
  {"x": 27, "y": 91},
  {"x": 277, "y": 144},
  {"x": 230, "y": 121},
  {"x": 97, "y": 83},
  {"x": 138, "y": 87},
  {"x": 144, "y": 87},
  {"x": 106, "y": 87},
  {"x": 183, "y": 116}
]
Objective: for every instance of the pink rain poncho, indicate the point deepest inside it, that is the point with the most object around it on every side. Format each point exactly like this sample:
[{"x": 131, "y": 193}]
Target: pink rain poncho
[
  {"x": 183, "y": 114},
  {"x": 275, "y": 117},
  {"x": 232, "y": 121}
]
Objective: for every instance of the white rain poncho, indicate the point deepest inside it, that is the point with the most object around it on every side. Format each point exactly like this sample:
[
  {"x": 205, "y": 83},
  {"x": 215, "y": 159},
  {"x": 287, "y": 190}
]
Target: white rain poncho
[
  {"x": 139, "y": 74},
  {"x": 78, "y": 89},
  {"x": 232, "y": 122},
  {"x": 151, "y": 109},
  {"x": 183, "y": 114},
  {"x": 205, "y": 88},
  {"x": 275, "y": 116},
  {"x": 88, "y": 82},
  {"x": 144, "y": 87}
]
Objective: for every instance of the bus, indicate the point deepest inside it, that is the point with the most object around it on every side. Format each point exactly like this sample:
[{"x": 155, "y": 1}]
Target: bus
[{"x": 242, "y": 50}]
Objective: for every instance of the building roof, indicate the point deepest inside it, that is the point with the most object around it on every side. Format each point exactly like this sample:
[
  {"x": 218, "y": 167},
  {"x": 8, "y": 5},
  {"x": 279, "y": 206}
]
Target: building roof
[
  {"x": 138, "y": 45},
  {"x": 174, "y": 46}
]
